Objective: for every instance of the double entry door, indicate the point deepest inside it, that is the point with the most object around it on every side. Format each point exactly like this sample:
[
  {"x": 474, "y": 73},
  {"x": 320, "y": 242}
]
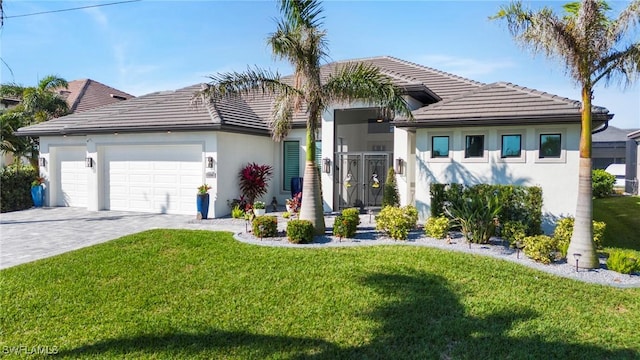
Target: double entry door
[{"x": 360, "y": 179}]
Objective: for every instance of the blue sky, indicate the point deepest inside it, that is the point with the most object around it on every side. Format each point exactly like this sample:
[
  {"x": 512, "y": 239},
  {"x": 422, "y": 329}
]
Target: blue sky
[{"x": 147, "y": 46}]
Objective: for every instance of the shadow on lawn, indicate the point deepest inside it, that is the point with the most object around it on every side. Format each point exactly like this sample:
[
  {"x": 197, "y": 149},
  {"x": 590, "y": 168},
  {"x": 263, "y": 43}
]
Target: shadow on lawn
[{"x": 423, "y": 319}]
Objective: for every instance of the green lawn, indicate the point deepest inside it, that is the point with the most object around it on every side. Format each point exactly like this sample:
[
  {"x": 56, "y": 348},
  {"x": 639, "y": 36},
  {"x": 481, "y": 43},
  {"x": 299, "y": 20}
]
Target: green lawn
[
  {"x": 622, "y": 216},
  {"x": 198, "y": 294}
]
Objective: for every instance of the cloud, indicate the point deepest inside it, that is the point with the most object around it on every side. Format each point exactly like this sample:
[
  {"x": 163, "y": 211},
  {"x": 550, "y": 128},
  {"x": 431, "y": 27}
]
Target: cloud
[{"x": 466, "y": 67}]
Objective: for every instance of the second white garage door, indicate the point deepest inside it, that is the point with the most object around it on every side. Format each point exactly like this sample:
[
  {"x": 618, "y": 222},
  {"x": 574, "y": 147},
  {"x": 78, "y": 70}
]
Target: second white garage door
[{"x": 158, "y": 179}]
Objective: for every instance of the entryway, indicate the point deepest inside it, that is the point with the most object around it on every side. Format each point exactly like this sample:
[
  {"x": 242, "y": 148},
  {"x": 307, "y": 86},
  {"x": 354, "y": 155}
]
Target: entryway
[{"x": 360, "y": 178}]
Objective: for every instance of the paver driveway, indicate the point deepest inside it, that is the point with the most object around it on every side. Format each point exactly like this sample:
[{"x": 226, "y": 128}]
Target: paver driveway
[{"x": 38, "y": 233}]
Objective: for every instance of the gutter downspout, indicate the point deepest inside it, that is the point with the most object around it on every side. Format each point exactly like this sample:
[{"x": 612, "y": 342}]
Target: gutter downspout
[{"x": 603, "y": 128}]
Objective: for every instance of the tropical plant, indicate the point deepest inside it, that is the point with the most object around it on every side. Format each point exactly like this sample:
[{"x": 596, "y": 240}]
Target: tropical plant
[
  {"x": 237, "y": 212},
  {"x": 396, "y": 222},
  {"x": 37, "y": 104},
  {"x": 390, "y": 195},
  {"x": 624, "y": 261},
  {"x": 476, "y": 214},
  {"x": 254, "y": 180},
  {"x": 592, "y": 48},
  {"x": 564, "y": 229},
  {"x": 300, "y": 40},
  {"x": 203, "y": 189},
  {"x": 259, "y": 204}
]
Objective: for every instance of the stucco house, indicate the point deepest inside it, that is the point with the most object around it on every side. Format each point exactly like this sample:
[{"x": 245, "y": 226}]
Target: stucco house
[{"x": 151, "y": 153}]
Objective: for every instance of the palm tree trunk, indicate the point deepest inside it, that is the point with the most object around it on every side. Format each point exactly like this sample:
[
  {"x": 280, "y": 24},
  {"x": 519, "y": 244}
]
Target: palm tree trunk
[
  {"x": 311, "y": 208},
  {"x": 582, "y": 238}
]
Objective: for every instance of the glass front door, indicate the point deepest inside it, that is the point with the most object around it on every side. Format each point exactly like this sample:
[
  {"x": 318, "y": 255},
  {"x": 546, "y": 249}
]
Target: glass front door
[{"x": 360, "y": 180}]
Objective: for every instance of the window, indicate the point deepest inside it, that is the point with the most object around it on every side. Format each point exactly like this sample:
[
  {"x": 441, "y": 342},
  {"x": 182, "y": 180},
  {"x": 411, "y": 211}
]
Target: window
[
  {"x": 511, "y": 146},
  {"x": 474, "y": 146},
  {"x": 291, "y": 163},
  {"x": 440, "y": 147},
  {"x": 550, "y": 145}
]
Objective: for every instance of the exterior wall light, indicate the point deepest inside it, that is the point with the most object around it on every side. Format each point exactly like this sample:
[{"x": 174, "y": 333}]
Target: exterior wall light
[
  {"x": 399, "y": 166},
  {"x": 42, "y": 162},
  {"x": 88, "y": 162},
  {"x": 210, "y": 162},
  {"x": 326, "y": 165}
]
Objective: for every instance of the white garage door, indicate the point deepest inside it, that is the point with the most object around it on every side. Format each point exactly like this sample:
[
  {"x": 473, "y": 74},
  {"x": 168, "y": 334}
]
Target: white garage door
[
  {"x": 158, "y": 179},
  {"x": 71, "y": 188}
]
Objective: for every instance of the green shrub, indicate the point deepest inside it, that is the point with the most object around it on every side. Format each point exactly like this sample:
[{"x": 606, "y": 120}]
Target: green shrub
[
  {"x": 513, "y": 231},
  {"x": 265, "y": 226},
  {"x": 602, "y": 183},
  {"x": 396, "y": 222},
  {"x": 476, "y": 214},
  {"x": 390, "y": 197},
  {"x": 300, "y": 231},
  {"x": 340, "y": 227},
  {"x": 564, "y": 230},
  {"x": 15, "y": 188},
  {"x": 345, "y": 224},
  {"x": 437, "y": 227},
  {"x": 518, "y": 203},
  {"x": 624, "y": 261},
  {"x": 286, "y": 215},
  {"x": 541, "y": 248},
  {"x": 237, "y": 213}
]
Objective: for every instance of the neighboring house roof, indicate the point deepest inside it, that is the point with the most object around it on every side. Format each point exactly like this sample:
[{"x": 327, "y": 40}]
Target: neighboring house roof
[
  {"x": 501, "y": 103},
  {"x": 87, "y": 94},
  {"x": 634, "y": 135},
  {"x": 448, "y": 100},
  {"x": 612, "y": 134}
]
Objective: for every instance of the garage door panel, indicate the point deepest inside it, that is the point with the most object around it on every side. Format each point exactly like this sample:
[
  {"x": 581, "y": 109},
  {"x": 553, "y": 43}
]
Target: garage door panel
[
  {"x": 72, "y": 176},
  {"x": 160, "y": 178}
]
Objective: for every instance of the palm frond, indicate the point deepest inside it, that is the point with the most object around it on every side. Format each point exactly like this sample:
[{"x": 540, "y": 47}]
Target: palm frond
[
  {"x": 12, "y": 90},
  {"x": 302, "y": 12},
  {"x": 51, "y": 82},
  {"x": 282, "y": 116},
  {"x": 364, "y": 82},
  {"x": 235, "y": 84},
  {"x": 621, "y": 65}
]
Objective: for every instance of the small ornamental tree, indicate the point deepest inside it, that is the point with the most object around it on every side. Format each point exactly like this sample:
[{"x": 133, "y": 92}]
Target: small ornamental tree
[
  {"x": 254, "y": 180},
  {"x": 390, "y": 197}
]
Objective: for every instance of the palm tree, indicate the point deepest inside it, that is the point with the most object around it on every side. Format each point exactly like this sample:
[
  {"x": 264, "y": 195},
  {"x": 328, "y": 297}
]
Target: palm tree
[
  {"x": 300, "y": 40},
  {"x": 592, "y": 47},
  {"x": 37, "y": 104}
]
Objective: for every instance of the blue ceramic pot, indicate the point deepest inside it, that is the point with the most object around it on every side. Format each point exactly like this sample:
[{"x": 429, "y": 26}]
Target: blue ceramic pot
[
  {"x": 37, "y": 194},
  {"x": 203, "y": 205}
]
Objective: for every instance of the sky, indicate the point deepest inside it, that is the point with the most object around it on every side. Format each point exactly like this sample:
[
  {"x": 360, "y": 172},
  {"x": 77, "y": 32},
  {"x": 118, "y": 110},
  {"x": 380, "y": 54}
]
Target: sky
[{"x": 153, "y": 45}]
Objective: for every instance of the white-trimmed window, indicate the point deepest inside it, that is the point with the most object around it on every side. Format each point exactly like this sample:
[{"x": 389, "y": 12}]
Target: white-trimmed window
[
  {"x": 551, "y": 145},
  {"x": 512, "y": 146},
  {"x": 473, "y": 146},
  {"x": 440, "y": 146}
]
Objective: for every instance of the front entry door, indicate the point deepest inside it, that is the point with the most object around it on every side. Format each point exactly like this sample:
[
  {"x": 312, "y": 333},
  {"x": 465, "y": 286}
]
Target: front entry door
[{"x": 360, "y": 180}]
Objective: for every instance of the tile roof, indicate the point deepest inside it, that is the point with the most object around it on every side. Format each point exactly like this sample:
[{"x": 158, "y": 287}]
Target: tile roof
[
  {"x": 457, "y": 100},
  {"x": 501, "y": 103},
  {"x": 87, "y": 94},
  {"x": 634, "y": 135}
]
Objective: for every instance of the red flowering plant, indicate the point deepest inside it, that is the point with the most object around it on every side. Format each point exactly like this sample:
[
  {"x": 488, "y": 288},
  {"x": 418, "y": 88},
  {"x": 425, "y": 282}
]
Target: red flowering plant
[{"x": 254, "y": 180}]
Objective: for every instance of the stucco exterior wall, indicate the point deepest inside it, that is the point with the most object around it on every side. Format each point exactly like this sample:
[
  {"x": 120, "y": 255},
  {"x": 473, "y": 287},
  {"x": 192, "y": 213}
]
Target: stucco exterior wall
[{"x": 557, "y": 177}]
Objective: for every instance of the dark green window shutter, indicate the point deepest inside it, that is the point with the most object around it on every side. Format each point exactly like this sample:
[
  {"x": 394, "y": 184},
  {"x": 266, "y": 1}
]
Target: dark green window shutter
[{"x": 291, "y": 162}]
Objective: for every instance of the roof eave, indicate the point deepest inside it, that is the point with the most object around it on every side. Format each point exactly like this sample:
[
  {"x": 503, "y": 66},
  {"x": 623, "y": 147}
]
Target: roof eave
[{"x": 498, "y": 121}]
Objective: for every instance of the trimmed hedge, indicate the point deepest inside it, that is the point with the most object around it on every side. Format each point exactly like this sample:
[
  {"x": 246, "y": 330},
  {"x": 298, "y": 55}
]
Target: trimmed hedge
[
  {"x": 265, "y": 226},
  {"x": 15, "y": 192},
  {"x": 300, "y": 231},
  {"x": 518, "y": 203}
]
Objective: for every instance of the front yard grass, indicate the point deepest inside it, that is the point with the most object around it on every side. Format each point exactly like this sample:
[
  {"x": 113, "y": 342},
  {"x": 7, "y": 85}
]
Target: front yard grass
[
  {"x": 622, "y": 216},
  {"x": 198, "y": 294}
]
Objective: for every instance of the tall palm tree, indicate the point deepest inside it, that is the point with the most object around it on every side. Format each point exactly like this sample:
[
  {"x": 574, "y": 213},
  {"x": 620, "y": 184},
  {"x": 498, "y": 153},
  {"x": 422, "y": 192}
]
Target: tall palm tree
[
  {"x": 593, "y": 48},
  {"x": 300, "y": 40},
  {"x": 37, "y": 104}
]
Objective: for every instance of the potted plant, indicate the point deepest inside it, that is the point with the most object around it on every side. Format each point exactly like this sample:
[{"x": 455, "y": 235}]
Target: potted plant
[
  {"x": 37, "y": 191},
  {"x": 202, "y": 201},
  {"x": 259, "y": 208}
]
